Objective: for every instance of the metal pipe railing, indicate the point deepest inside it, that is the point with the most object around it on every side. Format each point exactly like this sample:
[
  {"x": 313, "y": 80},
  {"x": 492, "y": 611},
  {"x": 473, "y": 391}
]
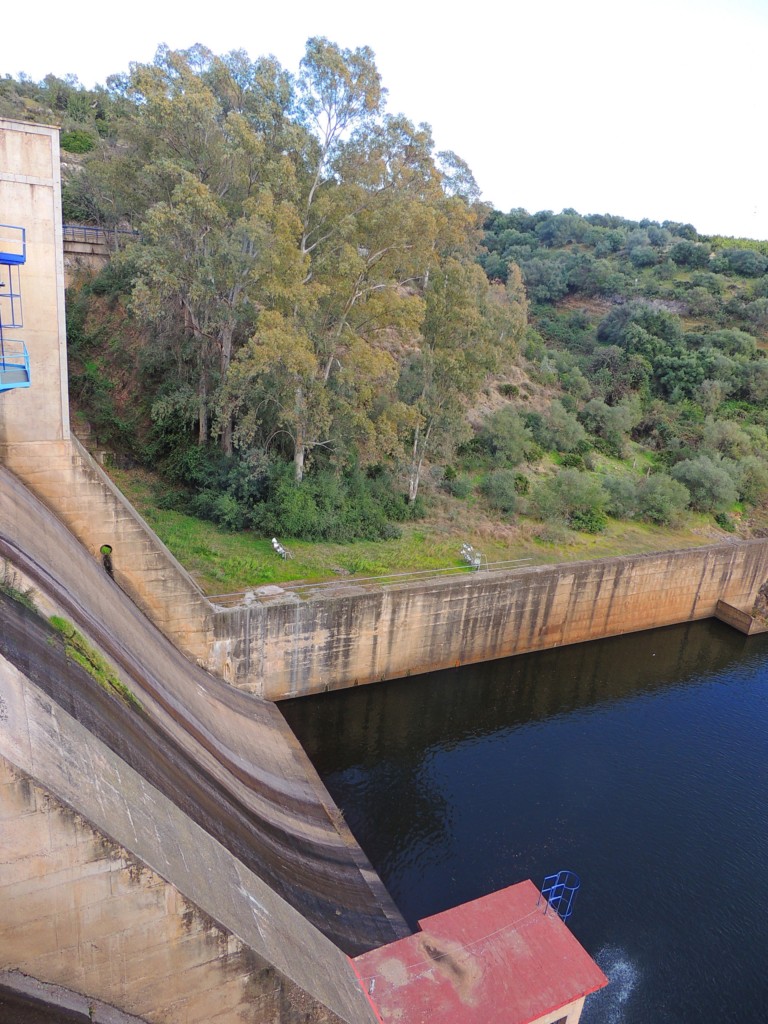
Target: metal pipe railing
[{"x": 415, "y": 575}]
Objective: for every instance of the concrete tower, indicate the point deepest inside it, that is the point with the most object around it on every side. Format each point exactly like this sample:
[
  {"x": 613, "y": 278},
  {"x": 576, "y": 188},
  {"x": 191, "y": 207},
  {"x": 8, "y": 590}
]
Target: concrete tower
[{"x": 30, "y": 197}]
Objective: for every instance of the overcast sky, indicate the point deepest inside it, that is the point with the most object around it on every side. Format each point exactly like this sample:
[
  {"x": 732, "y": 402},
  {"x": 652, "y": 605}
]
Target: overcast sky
[{"x": 652, "y": 109}]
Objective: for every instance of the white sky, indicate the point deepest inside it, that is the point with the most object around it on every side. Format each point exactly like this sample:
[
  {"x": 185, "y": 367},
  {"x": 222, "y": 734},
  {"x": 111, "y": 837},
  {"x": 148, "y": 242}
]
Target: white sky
[{"x": 652, "y": 109}]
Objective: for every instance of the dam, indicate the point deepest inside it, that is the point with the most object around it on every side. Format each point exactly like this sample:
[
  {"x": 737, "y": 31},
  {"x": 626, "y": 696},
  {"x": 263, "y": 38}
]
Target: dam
[{"x": 176, "y": 856}]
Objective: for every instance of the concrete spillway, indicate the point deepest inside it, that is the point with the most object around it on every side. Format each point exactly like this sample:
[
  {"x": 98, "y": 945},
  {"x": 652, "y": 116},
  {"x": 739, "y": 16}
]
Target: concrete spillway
[{"x": 226, "y": 758}]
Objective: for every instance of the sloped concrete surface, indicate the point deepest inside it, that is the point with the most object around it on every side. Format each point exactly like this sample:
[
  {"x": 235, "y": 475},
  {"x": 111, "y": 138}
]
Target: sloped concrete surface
[
  {"x": 250, "y": 783},
  {"x": 129, "y": 900}
]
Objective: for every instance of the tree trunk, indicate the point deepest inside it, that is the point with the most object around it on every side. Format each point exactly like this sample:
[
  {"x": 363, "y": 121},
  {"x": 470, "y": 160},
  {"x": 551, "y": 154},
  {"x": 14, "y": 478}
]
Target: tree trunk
[
  {"x": 420, "y": 443},
  {"x": 226, "y": 338},
  {"x": 202, "y": 415},
  {"x": 415, "y": 473},
  {"x": 300, "y": 447},
  {"x": 298, "y": 460},
  {"x": 226, "y": 435},
  {"x": 413, "y": 484}
]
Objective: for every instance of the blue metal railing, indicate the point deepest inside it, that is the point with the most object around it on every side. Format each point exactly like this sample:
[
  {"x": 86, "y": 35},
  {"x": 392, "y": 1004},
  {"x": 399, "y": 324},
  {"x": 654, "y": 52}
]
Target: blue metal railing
[
  {"x": 11, "y": 310},
  {"x": 13, "y": 245},
  {"x": 14, "y": 358},
  {"x": 14, "y": 364},
  {"x": 559, "y": 891}
]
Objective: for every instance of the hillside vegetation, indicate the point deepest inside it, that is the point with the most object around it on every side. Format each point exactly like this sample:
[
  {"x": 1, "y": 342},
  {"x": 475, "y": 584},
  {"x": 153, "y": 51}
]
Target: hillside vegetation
[{"x": 319, "y": 332}]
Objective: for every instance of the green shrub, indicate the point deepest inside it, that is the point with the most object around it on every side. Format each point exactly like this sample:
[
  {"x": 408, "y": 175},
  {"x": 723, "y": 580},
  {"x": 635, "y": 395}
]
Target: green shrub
[
  {"x": 77, "y": 141},
  {"x": 662, "y": 500},
  {"x": 711, "y": 486},
  {"x": 330, "y": 506},
  {"x": 610, "y": 423},
  {"x": 725, "y": 522},
  {"x": 572, "y": 498},
  {"x": 501, "y": 491},
  {"x": 588, "y": 520},
  {"x": 508, "y": 437},
  {"x": 557, "y": 428},
  {"x": 622, "y": 496},
  {"x": 753, "y": 479},
  {"x": 114, "y": 280},
  {"x": 221, "y": 508},
  {"x": 522, "y": 483},
  {"x": 534, "y": 453},
  {"x": 458, "y": 487}
]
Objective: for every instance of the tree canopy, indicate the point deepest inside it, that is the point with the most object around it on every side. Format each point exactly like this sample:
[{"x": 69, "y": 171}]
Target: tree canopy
[{"x": 316, "y": 311}]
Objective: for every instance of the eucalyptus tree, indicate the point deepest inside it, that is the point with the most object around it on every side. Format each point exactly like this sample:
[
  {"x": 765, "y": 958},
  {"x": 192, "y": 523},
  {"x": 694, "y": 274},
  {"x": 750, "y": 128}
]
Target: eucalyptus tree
[
  {"x": 307, "y": 242},
  {"x": 469, "y": 326},
  {"x": 219, "y": 230},
  {"x": 378, "y": 217}
]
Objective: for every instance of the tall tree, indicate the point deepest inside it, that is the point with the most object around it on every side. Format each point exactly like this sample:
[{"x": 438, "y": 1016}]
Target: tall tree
[
  {"x": 219, "y": 237},
  {"x": 469, "y": 327}
]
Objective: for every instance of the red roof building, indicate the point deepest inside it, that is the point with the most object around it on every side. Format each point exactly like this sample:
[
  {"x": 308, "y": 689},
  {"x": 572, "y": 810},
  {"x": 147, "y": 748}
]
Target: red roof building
[{"x": 497, "y": 960}]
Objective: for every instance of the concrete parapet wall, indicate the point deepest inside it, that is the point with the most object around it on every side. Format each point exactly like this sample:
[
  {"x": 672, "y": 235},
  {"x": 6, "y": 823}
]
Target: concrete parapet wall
[
  {"x": 290, "y": 647},
  {"x": 108, "y": 889},
  {"x": 75, "y": 487}
]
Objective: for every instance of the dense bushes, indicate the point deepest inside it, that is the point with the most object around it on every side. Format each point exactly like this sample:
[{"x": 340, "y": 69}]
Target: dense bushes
[
  {"x": 77, "y": 141},
  {"x": 501, "y": 490},
  {"x": 327, "y": 505},
  {"x": 572, "y": 498},
  {"x": 658, "y": 498},
  {"x": 711, "y": 487}
]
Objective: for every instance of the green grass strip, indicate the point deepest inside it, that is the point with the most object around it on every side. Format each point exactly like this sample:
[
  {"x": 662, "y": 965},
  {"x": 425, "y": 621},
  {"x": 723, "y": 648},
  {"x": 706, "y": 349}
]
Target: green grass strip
[{"x": 78, "y": 649}]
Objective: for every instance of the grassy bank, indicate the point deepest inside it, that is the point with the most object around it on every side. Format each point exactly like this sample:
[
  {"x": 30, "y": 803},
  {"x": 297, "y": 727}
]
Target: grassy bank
[{"x": 223, "y": 562}]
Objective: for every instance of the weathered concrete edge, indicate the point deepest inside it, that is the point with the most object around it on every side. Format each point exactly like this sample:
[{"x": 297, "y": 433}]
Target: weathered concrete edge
[
  {"x": 739, "y": 618},
  {"x": 57, "y": 996},
  {"x": 43, "y": 741},
  {"x": 254, "y": 733}
]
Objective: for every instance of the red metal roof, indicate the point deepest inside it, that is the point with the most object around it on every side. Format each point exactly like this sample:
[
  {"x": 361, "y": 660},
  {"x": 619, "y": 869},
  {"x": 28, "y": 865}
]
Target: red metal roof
[{"x": 496, "y": 960}]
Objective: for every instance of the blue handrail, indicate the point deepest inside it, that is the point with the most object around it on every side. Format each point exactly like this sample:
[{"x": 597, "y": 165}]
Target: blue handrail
[
  {"x": 13, "y": 245},
  {"x": 14, "y": 358},
  {"x": 559, "y": 891},
  {"x": 14, "y": 364}
]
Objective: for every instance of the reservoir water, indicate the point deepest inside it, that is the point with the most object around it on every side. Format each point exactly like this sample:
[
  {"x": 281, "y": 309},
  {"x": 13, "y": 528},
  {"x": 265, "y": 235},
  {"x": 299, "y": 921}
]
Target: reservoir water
[{"x": 639, "y": 762}]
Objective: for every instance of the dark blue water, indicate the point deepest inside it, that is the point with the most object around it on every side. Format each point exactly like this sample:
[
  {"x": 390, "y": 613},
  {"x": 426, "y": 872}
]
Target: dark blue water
[{"x": 640, "y": 762}]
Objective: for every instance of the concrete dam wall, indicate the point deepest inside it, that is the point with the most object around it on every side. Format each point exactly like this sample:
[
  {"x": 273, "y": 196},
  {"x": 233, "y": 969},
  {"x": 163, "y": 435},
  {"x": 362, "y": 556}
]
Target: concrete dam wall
[
  {"x": 206, "y": 793},
  {"x": 109, "y": 889},
  {"x": 289, "y": 647}
]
